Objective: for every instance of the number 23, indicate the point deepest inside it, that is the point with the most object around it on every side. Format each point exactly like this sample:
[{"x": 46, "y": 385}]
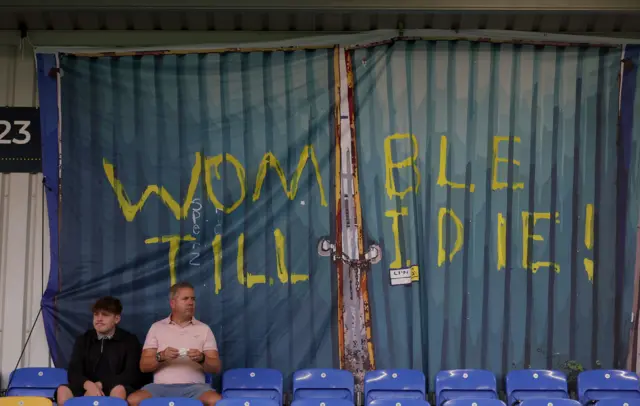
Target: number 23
[{"x": 24, "y": 125}]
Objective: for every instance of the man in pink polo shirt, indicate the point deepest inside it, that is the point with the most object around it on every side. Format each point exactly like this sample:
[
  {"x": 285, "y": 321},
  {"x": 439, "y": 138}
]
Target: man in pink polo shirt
[{"x": 179, "y": 350}]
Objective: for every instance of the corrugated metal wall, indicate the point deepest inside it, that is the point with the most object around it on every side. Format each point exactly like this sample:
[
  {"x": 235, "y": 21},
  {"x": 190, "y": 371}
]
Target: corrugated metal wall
[
  {"x": 23, "y": 246},
  {"x": 494, "y": 291},
  {"x": 250, "y": 225}
]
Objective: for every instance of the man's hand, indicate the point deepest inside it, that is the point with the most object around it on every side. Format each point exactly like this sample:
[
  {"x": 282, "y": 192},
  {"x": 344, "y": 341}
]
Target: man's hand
[
  {"x": 170, "y": 353},
  {"x": 92, "y": 389},
  {"x": 195, "y": 355}
]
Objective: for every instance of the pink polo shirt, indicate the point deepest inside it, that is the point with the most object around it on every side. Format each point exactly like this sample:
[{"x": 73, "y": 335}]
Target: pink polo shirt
[{"x": 195, "y": 335}]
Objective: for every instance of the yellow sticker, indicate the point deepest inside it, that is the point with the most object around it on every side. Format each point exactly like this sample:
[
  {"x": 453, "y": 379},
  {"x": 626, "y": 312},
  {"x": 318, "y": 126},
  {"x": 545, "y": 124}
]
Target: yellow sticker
[{"x": 415, "y": 274}]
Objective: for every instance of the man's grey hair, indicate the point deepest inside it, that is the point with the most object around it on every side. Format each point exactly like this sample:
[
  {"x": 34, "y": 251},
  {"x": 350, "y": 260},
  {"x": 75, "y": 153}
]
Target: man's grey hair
[{"x": 176, "y": 287}]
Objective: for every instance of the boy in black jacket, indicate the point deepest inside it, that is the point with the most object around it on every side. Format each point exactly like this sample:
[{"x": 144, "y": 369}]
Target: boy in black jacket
[{"x": 105, "y": 359}]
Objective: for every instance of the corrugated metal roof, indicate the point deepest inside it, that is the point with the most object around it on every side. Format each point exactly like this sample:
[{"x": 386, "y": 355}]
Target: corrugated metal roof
[
  {"x": 331, "y": 5},
  {"x": 616, "y": 22}
]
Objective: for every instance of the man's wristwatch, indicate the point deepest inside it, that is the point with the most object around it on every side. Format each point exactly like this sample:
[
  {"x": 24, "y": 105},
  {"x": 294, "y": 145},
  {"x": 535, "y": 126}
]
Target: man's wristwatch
[{"x": 159, "y": 356}]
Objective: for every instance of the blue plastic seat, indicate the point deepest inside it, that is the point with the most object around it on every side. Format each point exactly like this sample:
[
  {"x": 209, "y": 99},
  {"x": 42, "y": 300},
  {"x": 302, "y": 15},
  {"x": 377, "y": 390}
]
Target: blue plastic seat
[
  {"x": 246, "y": 402},
  {"x": 36, "y": 381},
  {"x": 253, "y": 383},
  {"x": 170, "y": 402},
  {"x": 550, "y": 402},
  {"x": 601, "y": 384},
  {"x": 96, "y": 401},
  {"x": 399, "y": 402},
  {"x": 465, "y": 383},
  {"x": 474, "y": 402},
  {"x": 394, "y": 384},
  {"x": 619, "y": 402},
  {"x": 535, "y": 383},
  {"x": 323, "y": 384},
  {"x": 322, "y": 402}
]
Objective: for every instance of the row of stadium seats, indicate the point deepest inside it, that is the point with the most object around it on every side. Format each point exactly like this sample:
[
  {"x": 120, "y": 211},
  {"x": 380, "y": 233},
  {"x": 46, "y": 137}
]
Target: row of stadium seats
[
  {"x": 381, "y": 385},
  {"x": 109, "y": 401}
]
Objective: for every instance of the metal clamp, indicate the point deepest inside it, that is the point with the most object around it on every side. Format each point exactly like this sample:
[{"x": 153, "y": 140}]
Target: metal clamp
[{"x": 328, "y": 249}]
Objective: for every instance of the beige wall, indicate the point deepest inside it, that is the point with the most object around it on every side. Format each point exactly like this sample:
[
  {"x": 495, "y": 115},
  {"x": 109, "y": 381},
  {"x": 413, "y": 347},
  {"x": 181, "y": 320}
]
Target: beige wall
[{"x": 21, "y": 233}]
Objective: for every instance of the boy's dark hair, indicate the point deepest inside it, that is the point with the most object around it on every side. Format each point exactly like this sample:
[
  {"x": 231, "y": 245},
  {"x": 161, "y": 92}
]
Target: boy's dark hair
[{"x": 107, "y": 304}]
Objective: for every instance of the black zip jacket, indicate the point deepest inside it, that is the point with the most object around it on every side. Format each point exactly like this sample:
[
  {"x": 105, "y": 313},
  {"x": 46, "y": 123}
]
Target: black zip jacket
[{"x": 123, "y": 354}]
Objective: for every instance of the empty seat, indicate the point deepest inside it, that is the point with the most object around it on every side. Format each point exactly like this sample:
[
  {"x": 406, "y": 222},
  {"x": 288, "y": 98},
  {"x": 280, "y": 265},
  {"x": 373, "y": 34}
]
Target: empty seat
[
  {"x": 465, "y": 383},
  {"x": 252, "y": 383},
  {"x": 475, "y": 402},
  {"x": 36, "y": 381},
  {"x": 25, "y": 401},
  {"x": 246, "y": 402},
  {"x": 96, "y": 401},
  {"x": 394, "y": 384},
  {"x": 533, "y": 383},
  {"x": 323, "y": 383},
  {"x": 322, "y": 402},
  {"x": 619, "y": 402},
  {"x": 399, "y": 402},
  {"x": 601, "y": 384},
  {"x": 171, "y": 402},
  {"x": 550, "y": 402}
]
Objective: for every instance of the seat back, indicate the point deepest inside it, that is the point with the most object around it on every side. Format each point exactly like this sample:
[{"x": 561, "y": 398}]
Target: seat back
[
  {"x": 36, "y": 381},
  {"x": 321, "y": 402},
  {"x": 619, "y": 402},
  {"x": 474, "y": 402},
  {"x": 323, "y": 384},
  {"x": 246, "y": 402},
  {"x": 465, "y": 383},
  {"x": 96, "y": 401},
  {"x": 601, "y": 384},
  {"x": 394, "y": 384},
  {"x": 399, "y": 402},
  {"x": 252, "y": 383},
  {"x": 535, "y": 383},
  {"x": 550, "y": 402},
  {"x": 170, "y": 402},
  {"x": 25, "y": 401}
]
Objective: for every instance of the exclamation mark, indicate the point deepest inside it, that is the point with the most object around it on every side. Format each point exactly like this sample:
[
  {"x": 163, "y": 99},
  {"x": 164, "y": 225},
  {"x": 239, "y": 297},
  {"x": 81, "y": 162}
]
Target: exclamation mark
[
  {"x": 588, "y": 240},
  {"x": 502, "y": 242}
]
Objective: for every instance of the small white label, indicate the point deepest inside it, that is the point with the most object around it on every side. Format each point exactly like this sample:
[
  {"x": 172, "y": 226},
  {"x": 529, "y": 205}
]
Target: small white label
[{"x": 400, "y": 276}]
